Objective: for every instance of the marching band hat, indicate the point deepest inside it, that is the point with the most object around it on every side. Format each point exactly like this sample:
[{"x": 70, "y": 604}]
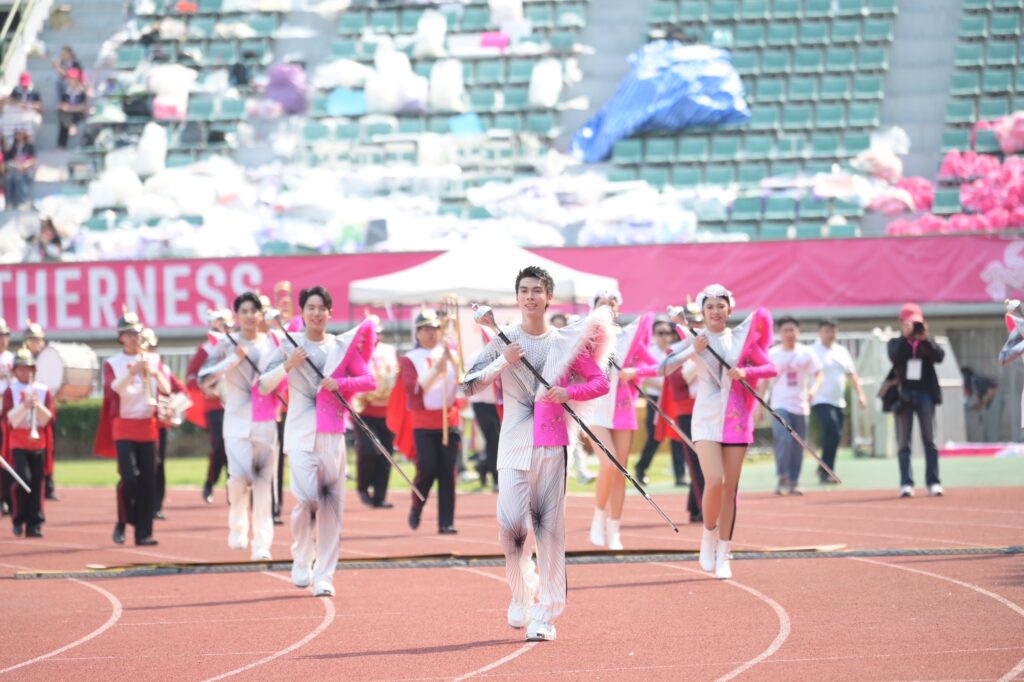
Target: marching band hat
[
  {"x": 34, "y": 330},
  {"x": 23, "y": 358},
  {"x": 610, "y": 294},
  {"x": 692, "y": 313},
  {"x": 4, "y": 329},
  {"x": 428, "y": 318},
  {"x": 715, "y": 291},
  {"x": 149, "y": 338},
  {"x": 129, "y": 322}
]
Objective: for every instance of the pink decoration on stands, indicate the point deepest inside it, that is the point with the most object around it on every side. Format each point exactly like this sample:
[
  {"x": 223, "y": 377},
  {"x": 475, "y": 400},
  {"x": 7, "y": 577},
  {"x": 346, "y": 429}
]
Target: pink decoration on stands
[{"x": 494, "y": 39}]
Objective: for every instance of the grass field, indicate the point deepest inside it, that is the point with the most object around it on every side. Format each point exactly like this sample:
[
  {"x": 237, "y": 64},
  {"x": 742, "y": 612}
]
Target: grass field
[{"x": 758, "y": 473}]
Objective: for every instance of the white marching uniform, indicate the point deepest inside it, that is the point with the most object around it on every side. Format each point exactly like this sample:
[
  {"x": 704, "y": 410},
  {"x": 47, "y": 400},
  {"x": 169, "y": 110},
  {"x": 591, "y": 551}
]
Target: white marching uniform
[
  {"x": 250, "y": 439},
  {"x": 316, "y": 458}
]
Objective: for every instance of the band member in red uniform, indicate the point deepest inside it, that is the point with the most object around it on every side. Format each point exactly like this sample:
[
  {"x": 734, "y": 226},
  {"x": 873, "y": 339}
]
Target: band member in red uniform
[
  {"x": 35, "y": 342},
  {"x": 128, "y": 428},
  {"x": 28, "y": 418},
  {"x": 166, "y": 419},
  {"x": 6, "y": 374},
  {"x": 428, "y": 372},
  {"x": 213, "y": 407}
]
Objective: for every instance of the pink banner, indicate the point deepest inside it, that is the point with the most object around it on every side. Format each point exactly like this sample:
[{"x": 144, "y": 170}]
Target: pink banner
[{"x": 86, "y": 297}]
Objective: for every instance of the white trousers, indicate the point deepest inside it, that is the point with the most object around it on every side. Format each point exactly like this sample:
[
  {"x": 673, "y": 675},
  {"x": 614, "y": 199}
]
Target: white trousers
[
  {"x": 318, "y": 479},
  {"x": 535, "y": 499},
  {"x": 252, "y": 462}
]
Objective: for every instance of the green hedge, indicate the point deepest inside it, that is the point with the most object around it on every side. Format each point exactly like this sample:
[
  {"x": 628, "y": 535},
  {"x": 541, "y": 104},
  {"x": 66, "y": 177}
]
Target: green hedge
[{"x": 76, "y": 432}]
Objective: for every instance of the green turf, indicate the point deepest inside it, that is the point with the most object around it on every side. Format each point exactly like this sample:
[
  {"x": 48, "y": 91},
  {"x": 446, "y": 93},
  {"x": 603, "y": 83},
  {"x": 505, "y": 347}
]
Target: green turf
[{"x": 758, "y": 473}]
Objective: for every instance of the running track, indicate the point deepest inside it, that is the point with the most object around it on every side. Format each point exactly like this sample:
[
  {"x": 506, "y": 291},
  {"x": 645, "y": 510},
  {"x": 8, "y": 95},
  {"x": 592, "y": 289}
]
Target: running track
[{"x": 958, "y": 617}]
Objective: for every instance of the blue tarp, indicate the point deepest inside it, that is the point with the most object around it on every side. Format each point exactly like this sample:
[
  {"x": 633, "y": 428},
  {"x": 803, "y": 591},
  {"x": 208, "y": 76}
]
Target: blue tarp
[{"x": 670, "y": 86}]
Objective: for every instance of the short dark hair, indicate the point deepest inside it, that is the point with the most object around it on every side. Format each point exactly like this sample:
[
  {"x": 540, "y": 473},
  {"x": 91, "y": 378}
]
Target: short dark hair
[
  {"x": 536, "y": 272},
  {"x": 247, "y": 296},
  {"x": 558, "y": 316},
  {"x": 783, "y": 321},
  {"x": 828, "y": 322},
  {"x": 316, "y": 291}
]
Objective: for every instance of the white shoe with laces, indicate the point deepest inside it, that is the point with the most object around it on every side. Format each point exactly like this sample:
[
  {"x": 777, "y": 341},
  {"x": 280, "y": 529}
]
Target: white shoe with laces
[
  {"x": 518, "y": 615},
  {"x": 260, "y": 555},
  {"x": 723, "y": 571},
  {"x": 323, "y": 588},
  {"x": 708, "y": 543},
  {"x": 539, "y": 631},
  {"x": 906, "y": 491},
  {"x": 935, "y": 490}
]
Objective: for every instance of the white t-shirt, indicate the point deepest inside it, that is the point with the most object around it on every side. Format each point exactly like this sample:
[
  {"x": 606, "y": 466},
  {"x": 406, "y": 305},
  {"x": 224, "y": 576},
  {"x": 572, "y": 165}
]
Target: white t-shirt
[
  {"x": 797, "y": 368},
  {"x": 836, "y": 364}
]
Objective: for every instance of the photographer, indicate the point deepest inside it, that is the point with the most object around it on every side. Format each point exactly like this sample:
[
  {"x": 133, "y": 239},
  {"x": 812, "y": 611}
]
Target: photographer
[{"x": 914, "y": 357}]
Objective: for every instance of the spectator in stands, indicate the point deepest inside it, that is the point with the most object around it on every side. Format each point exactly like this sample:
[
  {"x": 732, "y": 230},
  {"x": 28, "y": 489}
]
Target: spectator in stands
[
  {"x": 20, "y": 160},
  {"x": 47, "y": 245},
  {"x": 25, "y": 95},
  {"x": 63, "y": 64},
  {"x": 72, "y": 107},
  {"x": 914, "y": 357},
  {"x": 830, "y": 400},
  {"x": 664, "y": 336},
  {"x": 798, "y": 380}
]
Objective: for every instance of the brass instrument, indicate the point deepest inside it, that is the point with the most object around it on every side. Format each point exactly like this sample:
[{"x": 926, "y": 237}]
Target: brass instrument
[
  {"x": 449, "y": 315},
  {"x": 283, "y": 299},
  {"x": 33, "y": 418},
  {"x": 148, "y": 375}
]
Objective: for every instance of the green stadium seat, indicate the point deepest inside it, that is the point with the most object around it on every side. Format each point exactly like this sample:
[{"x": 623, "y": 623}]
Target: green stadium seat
[
  {"x": 790, "y": 147},
  {"x": 254, "y": 51},
  {"x": 659, "y": 13},
  {"x": 386, "y": 21},
  {"x": 959, "y": 139},
  {"x": 781, "y": 35},
  {"x": 222, "y": 53},
  {"x": 770, "y": 90},
  {"x": 873, "y": 59},
  {"x": 965, "y": 84},
  {"x": 777, "y": 62},
  {"x": 313, "y": 132},
  {"x": 993, "y": 107},
  {"x": 769, "y": 232},
  {"x": 810, "y": 208},
  {"x": 231, "y": 109},
  {"x": 693, "y": 11},
  {"x": 656, "y": 177},
  {"x": 725, "y": 148},
  {"x": 977, "y": 5},
  {"x": 845, "y": 31},
  {"x": 410, "y": 125},
  {"x": 516, "y": 99},
  {"x": 787, "y": 10},
  {"x": 785, "y": 168},
  {"x": 409, "y": 21},
  {"x": 621, "y": 174},
  {"x": 850, "y": 8},
  {"x": 796, "y": 117},
  {"x": 541, "y": 124},
  {"x": 803, "y": 89},
  {"x": 758, "y": 147},
  {"x": 969, "y": 55},
  {"x": 830, "y": 116},
  {"x": 867, "y": 87},
  {"x": 719, "y": 175},
  {"x": 947, "y": 201},
  {"x": 840, "y": 59},
  {"x": 540, "y": 14},
  {"x": 348, "y": 131},
  {"x": 863, "y": 115},
  {"x": 1020, "y": 81},
  {"x": 345, "y": 49},
  {"x": 749, "y": 36},
  {"x": 818, "y": 9},
  {"x": 746, "y": 209},
  {"x": 520, "y": 71},
  {"x": 842, "y": 231},
  {"x": 809, "y": 230},
  {"x": 748, "y": 229},
  {"x": 780, "y": 208},
  {"x": 201, "y": 27},
  {"x": 725, "y": 10},
  {"x": 483, "y": 100},
  {"x": 629, "y": 152},
  {"x": 571, "y": 14},
  {"x": 490, "y": 72},
  {"x": 752, "y": 173},
  {"x": 200, "y": 109},
  {"x": 693, "y": 149},
  {"x": 209, "y": 7},
  {"x": 265, "y": 25},
  {"x": 997, "y": 81},
  {"x": 809, "y": 60},
  {"x": 814, "y": 33},
  {"x": 973, "y": 27},
  {"x": 764, "y": 118},
  {"x": 660, "y": 150},
  {"x": 835, "y": 88},
  {"x": 855, "y": 142},
  {"x": 746, "y": 63},
  {"x": 1004, "y": 25},
  {"x": 352, "y": 23},
  {"x": 1001, "y": 54},
  {"x": 986, "y": 142},
  {"x": 129, "y": 56},
  {"x": 685, "y": 176},
  {"x": 562, "y": 41},
  {"x": 882, "y": 7},
  {"x": 1008, "y": 4},
  {"x": 755, "y": 10},
  {"x": 878, "y": 31}
]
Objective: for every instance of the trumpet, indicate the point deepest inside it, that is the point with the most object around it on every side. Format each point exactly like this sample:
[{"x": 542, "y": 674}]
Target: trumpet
[
  {"x": 450, "y": 324},
  {"x": 33, "y": 420},
  {"x": 147, "y": 375}
]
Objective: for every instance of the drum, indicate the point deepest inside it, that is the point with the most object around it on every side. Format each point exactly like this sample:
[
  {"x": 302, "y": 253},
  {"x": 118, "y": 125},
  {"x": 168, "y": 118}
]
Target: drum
[{"x": 69, "y": 370}]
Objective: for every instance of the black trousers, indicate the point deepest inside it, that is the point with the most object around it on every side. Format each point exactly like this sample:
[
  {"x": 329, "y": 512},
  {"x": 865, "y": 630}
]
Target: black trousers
[
  {"x": 218, "y": 455},
  {"x": 695, "y": 500},
  {"x": 651, "y": 447},
  {"x": 136, "y": 464},
  {"x": 160, "y": 476},
  {"x": 434, "y": 462},
  {"x": 831, "y": 419},
  {"x": 373, "y": 471},
  {"x": 6, "y": 491},
  {"x": 490, "y": 425},
  {"x": 277, "y": 491},
  {"x": 28, "y": 507}
]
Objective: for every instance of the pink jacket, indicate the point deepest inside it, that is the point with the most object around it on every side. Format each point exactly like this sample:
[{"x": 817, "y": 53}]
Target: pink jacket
[
  {"x": 638, "y": 356},
  {"x": 549, "y": 419},
  {"x": 353, "y": 376},
  {"x": 738, "y": 426}
]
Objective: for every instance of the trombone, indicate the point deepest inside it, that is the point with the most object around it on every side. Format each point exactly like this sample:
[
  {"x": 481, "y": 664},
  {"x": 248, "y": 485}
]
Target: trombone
[
  {"x": 148, "y": 376},
  {"x": 450, "y": 324}
]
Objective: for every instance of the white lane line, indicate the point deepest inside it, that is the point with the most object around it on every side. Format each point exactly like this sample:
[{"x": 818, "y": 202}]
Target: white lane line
[
  {"x": 1017, "y": 669},
  {"x": 942, "y": 542},
  {"x": 785, "y": 624},
  {"x": 501, "y": 661},
  {"x": 115, "y": 615},
  {"x": 329, "y": 614},
  {"x": 890, "y": 519}
]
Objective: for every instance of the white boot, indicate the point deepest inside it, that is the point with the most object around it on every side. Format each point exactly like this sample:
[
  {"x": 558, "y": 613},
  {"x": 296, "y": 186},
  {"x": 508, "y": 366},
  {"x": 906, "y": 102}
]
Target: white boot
[
  {"x": 708, "y": 543},
  {"x": 597, "y": 528},
  {"x": 722, "y": 568},
  {"x": 614, "y": 541}
]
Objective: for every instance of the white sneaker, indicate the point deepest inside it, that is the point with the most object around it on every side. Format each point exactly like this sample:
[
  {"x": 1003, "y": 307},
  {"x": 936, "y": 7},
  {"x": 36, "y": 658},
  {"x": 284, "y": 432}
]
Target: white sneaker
[
  {"x": 301, "y": 576},
  {"x": 708, "y": 543},
  {"x": 518, "y": 615},
  {"x": 237, "y": 541},
  {"x": 323, "y": 588},
  {"x": 260, "y": 555},
  {"x": 906, "y": 491},
  {"x": 613, "y": 536},
  {"x": 540, "y": 631},
  {"x": 935, "y": 490},
  {"x": 597, "y": 528},
  {"x": 722, "y": 569}
]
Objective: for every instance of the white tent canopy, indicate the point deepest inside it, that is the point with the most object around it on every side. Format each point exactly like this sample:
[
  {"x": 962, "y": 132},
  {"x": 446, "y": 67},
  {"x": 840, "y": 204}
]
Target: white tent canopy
[{"x": 480, "y": 270}]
